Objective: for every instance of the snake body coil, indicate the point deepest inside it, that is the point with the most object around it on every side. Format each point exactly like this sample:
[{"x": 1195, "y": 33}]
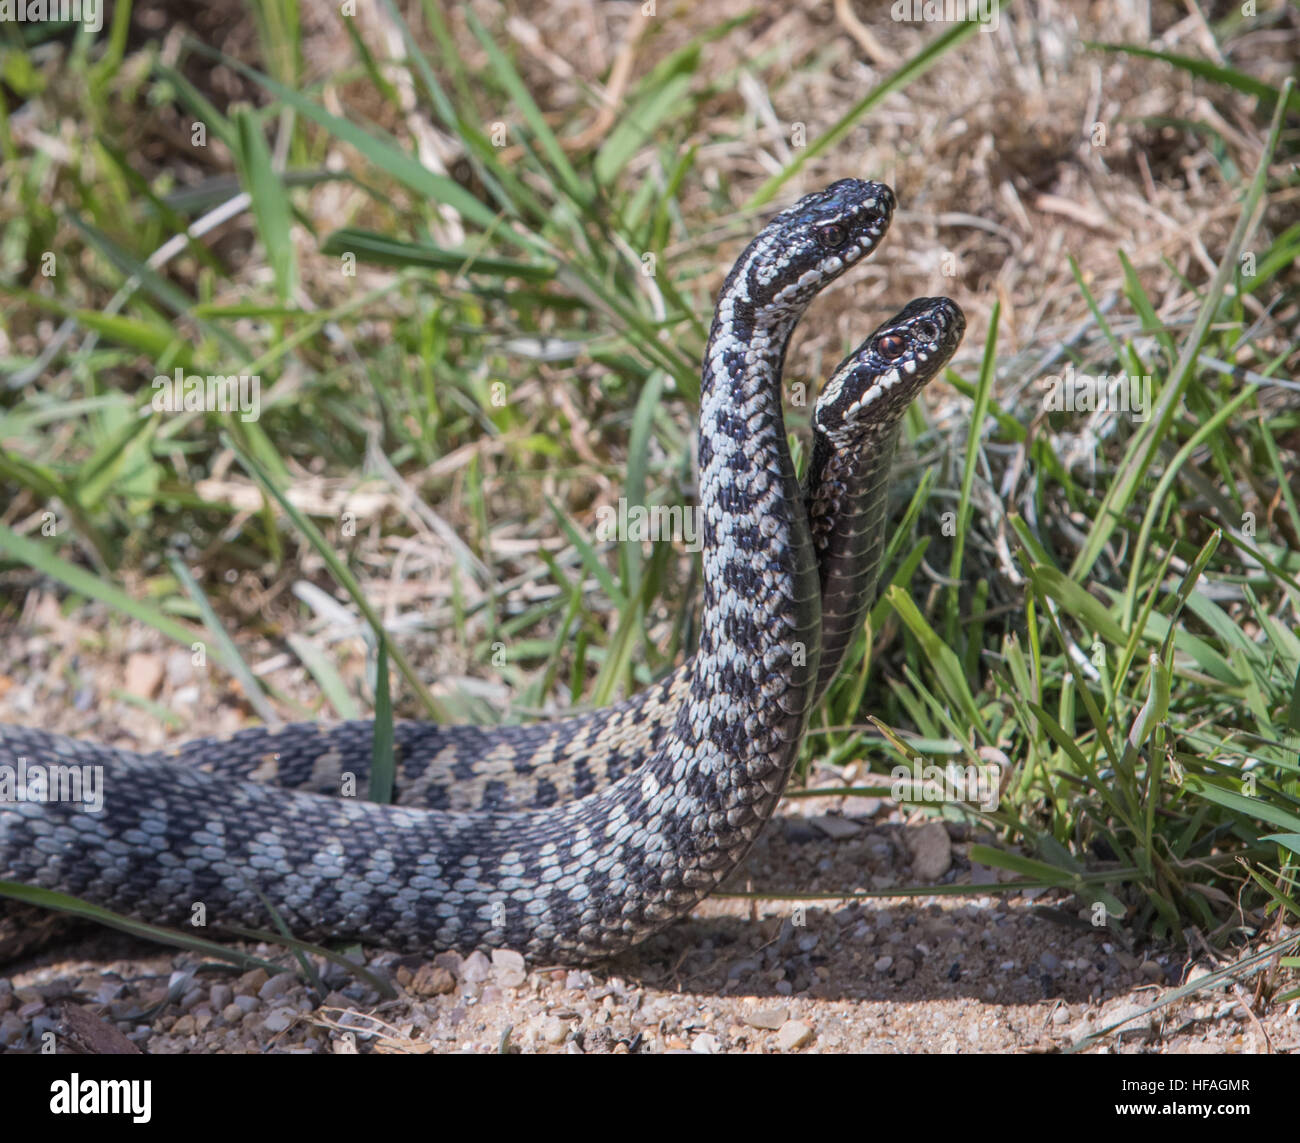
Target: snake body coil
[
  {"x": 586, "y": 876},
  {"x": 538, "y": 765}
]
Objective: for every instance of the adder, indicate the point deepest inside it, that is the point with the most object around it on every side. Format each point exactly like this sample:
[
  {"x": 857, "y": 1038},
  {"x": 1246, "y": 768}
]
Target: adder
[{"x": 592, "y": 874}]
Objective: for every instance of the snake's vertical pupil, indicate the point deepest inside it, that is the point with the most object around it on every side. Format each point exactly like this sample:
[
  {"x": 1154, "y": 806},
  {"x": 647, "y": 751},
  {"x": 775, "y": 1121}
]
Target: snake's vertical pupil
[
  {"x": 832, "y": 236},
  {"x": 892, "y": 346}
]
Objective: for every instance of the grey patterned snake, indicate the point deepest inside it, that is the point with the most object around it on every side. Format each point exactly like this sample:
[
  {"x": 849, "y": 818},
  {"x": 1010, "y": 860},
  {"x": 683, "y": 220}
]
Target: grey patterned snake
[{"x": 678, "y": 783}]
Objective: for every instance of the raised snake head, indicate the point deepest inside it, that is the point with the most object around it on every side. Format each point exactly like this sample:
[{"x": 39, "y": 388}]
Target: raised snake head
[
  {"x": 809, "y": 245},
  {"x": 872, "y": 387}
]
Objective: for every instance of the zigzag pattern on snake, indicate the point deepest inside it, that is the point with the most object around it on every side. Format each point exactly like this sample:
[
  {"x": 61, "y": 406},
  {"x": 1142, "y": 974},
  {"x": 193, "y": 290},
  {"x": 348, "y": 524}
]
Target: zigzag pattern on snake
[
  {"x": 534, "y": 766},
  {"x": 578, "y": 880}
]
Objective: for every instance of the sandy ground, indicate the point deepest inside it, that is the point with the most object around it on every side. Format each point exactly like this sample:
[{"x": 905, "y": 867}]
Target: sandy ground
[{"x": 1004, "y": 973}]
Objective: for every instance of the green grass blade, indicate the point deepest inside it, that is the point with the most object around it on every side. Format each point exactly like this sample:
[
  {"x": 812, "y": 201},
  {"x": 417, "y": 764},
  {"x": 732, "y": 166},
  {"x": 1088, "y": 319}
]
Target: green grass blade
[
  {"x": 383, "y": 767},
  {"x": 77, "y": 579},
  {"x": 381, "y": 150},
  {"x": 520, "y": 97},
  {"x": 1120, "y": 493},
  {"x": 1287, "y": 98},
  {"x": 322, "y": 669},
  {"x": 965, "y": 504},
  {"x": 383, "y": 250},
  {"x": 229, "y": 652},
  {"x": 270, "y": 199}
]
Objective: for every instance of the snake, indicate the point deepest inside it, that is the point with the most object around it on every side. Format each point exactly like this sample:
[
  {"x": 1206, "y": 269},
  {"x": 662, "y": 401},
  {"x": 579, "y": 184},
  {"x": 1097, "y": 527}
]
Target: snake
[
  {"x": 534, "y": 766},
  {"x": 587, "y": 876}
]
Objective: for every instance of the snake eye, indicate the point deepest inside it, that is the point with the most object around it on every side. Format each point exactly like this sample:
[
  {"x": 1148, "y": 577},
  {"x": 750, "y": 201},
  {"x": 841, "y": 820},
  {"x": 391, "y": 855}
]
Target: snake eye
[
  {"x": 892, "y": 346},
  {"x": 832, "y": 236}
]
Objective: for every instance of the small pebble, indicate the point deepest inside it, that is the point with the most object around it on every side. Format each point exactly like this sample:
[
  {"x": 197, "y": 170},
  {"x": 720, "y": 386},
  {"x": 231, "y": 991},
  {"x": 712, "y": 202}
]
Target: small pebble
[
  {"x": 277, "y": 986},
  {"x": 1126, "y": 1013},
  {"x": 931, "y": 851},
  {"x": 251, "y": 982},
  {"x": 476, "y": 969},
  {"x": 278, "y": 1020},
  {"x": 12, "y": 1030},
  {"x": 836, "y": 828},
  {"x": 451, "y": 961},
  {"x": 508, "y": 967},
  {"x": 432, "y": 980},
  {"x": 770, "y": 1018},
  {"x": 793, "y": 1034}
]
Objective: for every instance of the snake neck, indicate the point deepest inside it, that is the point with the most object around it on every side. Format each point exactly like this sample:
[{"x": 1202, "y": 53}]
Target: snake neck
[
  {"x": 846, "y": 502},
  {"x": 760, "y": 630}
]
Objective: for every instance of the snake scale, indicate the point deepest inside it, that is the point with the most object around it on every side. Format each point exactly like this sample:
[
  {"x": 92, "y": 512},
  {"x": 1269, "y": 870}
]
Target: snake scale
[{"x": 687, "y": 772}]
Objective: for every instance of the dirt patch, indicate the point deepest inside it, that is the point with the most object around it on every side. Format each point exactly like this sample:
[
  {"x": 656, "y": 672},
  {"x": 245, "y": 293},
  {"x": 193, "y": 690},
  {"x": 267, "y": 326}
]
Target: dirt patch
[{"x": 935, "y": 973}]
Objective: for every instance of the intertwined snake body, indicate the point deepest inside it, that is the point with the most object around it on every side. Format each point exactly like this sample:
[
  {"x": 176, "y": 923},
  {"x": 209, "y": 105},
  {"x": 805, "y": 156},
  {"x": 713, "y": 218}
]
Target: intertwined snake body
[
  {"x": 537, "y": 765},
  {"x": 592, "y": 872}
]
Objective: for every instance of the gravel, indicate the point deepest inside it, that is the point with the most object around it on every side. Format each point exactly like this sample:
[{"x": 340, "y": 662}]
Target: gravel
[{"x": 941, "y": 986}]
